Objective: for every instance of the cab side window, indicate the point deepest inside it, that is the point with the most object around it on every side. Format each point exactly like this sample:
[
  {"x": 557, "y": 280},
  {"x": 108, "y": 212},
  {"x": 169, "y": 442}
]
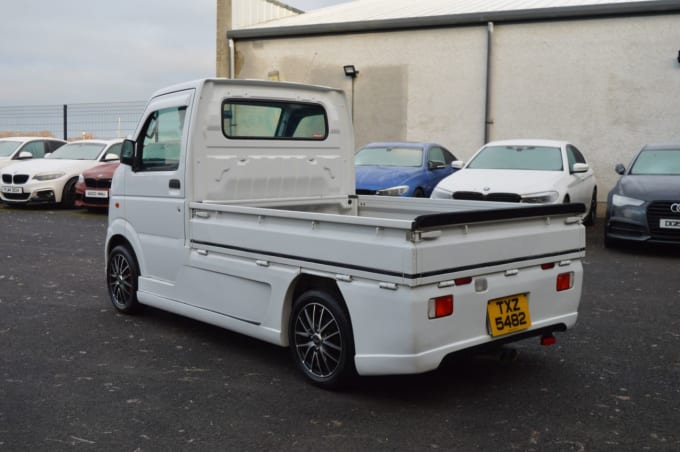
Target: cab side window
[{"x": 161, "y": 140}]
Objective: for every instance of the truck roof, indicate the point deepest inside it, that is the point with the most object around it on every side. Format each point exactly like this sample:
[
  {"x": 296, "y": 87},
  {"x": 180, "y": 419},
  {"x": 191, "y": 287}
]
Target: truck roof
[{"x": 198, "y": 84}]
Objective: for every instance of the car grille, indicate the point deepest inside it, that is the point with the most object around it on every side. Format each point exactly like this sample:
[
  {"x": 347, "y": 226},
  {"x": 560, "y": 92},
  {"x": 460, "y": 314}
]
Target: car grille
[
  {"x": 655, "y": 212},
  {"x": 16, "y": 179},
  {"x": 92, "y": 182},
  {"x": 476, "y": 196},
  {"x": 16, "y": 196}
]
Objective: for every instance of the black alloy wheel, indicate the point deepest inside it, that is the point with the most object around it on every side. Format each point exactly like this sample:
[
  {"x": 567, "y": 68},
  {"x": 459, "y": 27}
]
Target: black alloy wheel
[
  {"x": 122, "y": 274},
  {"x": 321, "y": 340}
]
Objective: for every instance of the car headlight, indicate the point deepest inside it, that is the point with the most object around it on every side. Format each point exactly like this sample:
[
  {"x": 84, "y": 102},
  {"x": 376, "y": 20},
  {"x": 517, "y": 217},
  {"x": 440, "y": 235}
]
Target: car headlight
[
  {"x": 48, "y": 176},
  {"x": 393, "y": 191},
  {"x": 441, "y": 193},
  {"x": 620, "y": 201},
  {"x": 545, "y": 197}
]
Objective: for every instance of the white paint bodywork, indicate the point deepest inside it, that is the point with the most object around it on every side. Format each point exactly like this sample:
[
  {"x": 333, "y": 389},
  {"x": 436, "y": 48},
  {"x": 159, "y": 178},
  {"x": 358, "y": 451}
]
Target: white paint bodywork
[{"x": 252, "y": 217}]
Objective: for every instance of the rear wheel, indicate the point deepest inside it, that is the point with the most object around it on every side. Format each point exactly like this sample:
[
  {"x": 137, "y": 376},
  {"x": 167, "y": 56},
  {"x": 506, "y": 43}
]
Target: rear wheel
[
  {"x": 320, "y": 337},
  {"x": 122, "y": 275}
]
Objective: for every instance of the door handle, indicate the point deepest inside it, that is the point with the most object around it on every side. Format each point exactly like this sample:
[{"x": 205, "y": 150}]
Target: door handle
[{"x": 174, "y": 184}]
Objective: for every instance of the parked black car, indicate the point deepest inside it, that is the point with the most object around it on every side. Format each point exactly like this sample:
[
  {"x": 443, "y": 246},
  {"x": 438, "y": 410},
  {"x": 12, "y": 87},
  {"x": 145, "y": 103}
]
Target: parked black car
[{"x": 644, "y": 205}]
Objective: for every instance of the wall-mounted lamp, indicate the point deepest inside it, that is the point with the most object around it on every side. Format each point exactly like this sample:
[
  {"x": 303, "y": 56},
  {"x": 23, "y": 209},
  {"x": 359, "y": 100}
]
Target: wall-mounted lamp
[{"x": 351, "y": 71}]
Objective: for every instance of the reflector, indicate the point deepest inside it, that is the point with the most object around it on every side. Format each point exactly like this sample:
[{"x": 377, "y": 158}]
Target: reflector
[{"x": 564, "y": 281}]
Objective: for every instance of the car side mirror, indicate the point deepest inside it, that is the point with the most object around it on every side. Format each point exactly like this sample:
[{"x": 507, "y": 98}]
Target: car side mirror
[
  {"x": 580, "y": 168},
  {"x": 433, "y": 165},
  {"x": 127, "y": 154},
  {"x": 457, "y": 164},
  {"x": 24, "y": 155},
  {"x": 110, "y": 157},
  {"x": 619, "y": 168}
]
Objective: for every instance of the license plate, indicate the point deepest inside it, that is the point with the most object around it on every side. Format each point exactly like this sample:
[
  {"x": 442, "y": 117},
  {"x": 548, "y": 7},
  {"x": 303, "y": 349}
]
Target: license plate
[
  {"x": 508, "y": 314},
  {"x": 10, "y": 189},
  {"x": 669, "y": 224},
  {"x": 96, "y": 193}
]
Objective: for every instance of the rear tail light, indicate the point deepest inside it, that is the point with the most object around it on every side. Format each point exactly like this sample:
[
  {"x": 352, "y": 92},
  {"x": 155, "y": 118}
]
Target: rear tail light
[
  {"x": 548, "y": 266},
  {"x": 565, "y": 281},
  {"x": 440, "y": 307}
]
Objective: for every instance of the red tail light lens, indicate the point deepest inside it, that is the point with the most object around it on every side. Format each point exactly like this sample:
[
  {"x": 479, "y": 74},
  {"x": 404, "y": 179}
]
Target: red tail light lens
[
  {"x": 548, "y": 266},
  {"x": 565, "y": 281},
  {"x": 440, "y": 307}
]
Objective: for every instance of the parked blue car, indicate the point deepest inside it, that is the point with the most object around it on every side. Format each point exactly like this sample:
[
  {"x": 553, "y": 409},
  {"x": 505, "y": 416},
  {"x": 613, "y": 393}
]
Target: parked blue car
[{"x": 401, "y": 168}]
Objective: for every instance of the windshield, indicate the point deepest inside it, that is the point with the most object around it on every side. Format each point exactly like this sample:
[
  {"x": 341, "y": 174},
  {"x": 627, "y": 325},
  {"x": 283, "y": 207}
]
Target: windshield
[
  {"x": 8, "y": 147},
  {"x": 657, "y": 162},
  {"x": 389, "y": 156},
  {"x": 78, "y": 151},
  {"x": 536, "y": 158}
]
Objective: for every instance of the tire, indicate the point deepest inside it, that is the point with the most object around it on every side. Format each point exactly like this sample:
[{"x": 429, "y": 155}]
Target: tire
[
  {"x": 418, "y": 193},
  {"x": 68, "y": 196},
  {"x": 321, "y": 342},
  {"x": 591, "y": 218},
  {"x": 122, "y": 275}
]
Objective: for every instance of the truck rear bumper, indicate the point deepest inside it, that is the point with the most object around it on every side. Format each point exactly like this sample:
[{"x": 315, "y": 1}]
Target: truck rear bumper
[{"x": 431, "y": 359}]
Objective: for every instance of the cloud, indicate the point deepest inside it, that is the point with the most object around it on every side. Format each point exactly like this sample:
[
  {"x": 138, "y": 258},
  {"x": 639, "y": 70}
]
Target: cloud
[{"x": 89, "y": 51}]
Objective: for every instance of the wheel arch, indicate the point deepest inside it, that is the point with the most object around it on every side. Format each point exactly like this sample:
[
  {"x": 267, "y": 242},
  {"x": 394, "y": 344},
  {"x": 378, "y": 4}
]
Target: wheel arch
[{"x": 305, "y": 282}]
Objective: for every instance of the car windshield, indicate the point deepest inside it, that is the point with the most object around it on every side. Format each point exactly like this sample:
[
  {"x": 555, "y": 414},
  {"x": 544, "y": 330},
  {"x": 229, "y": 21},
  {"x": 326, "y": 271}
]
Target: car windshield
[
  {"x": 7, "y": 147},
  {"x": 657, "y": 162},
  {"x": 78, "y": 151},
  {"x": 389, "y": 156},
  {"x": 537, "y": 158}
]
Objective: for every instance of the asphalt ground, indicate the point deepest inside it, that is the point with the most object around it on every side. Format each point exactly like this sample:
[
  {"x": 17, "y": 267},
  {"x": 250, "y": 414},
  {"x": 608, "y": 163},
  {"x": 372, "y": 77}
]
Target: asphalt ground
[{"x": 75, "y": 375}]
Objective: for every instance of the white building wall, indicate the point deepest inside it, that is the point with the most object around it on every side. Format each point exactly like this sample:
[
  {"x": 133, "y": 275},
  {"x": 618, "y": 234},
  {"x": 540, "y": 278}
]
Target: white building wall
[{"x": 608, "y": 85}]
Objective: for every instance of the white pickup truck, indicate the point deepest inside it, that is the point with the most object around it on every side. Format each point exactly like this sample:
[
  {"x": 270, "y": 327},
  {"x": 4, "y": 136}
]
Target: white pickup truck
[{"x": 234, "y": 205}]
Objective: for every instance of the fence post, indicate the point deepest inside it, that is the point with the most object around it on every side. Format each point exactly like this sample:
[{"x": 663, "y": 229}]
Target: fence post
[{"x": 65, "y": 122}]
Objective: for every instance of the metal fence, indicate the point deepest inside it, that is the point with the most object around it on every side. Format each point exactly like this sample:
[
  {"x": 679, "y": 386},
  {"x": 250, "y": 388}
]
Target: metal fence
[{"x": 72, "y": 121}]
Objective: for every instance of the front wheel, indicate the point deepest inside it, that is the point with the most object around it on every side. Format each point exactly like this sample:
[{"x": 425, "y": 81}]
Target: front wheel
[
  {"x": 68, "y": 196},
  {"x": 591, "y": 218},
  {"x": 321, "y": 342},
  {"x": 122, "y": 274}
]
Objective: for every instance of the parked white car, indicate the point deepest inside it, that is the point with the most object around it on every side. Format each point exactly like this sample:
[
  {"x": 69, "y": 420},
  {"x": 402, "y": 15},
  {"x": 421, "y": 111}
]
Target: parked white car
[
  {"x": 52, "y": 179},
  {"x": 16, "y": 149},
  {"x": 526, "y": 171}
]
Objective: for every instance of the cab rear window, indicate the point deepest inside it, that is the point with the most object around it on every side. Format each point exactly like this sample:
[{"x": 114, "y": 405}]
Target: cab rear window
[{"x": 263, "y": 119}]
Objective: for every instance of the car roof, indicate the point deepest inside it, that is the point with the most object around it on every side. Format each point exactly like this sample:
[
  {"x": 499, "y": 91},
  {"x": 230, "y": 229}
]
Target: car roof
[
  {"x": 376, "y": 144},
  {"x": 528, "y": 142},
  {"x": 108, "y": 142},
  {"x": 22, "y": 138},
  {"x": 662, "y": 146}
]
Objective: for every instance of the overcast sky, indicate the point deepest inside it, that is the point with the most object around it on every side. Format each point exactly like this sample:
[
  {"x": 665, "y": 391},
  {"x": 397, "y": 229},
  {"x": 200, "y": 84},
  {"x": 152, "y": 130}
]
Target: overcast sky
[{"x": 72, "y": 51}]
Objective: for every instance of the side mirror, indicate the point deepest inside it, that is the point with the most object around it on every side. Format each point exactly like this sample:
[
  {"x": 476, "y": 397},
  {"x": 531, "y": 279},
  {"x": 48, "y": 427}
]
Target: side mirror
[
  {"x": 110, "y": 157},
  {"x": 620, "y": 169},
  {"x": 457, "y": 164},
  {"x": 580, "y": 168},
  {"x": 127, "y": 154},
  {"x": 24, "y": 155},
  {"x": 433, "y": 165}
]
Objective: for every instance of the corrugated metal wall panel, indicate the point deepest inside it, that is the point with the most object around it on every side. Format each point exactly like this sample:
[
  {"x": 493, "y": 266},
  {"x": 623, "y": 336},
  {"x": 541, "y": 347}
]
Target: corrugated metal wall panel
[{"x": 246, "y": 13}]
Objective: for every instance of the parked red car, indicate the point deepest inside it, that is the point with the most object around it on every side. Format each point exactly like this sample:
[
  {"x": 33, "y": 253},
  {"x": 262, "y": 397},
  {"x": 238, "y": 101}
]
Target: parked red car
[{"x": 92, "y": 188}]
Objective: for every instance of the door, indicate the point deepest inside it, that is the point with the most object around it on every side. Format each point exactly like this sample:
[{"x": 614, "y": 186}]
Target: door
[{"x": 155, "y": 190}]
